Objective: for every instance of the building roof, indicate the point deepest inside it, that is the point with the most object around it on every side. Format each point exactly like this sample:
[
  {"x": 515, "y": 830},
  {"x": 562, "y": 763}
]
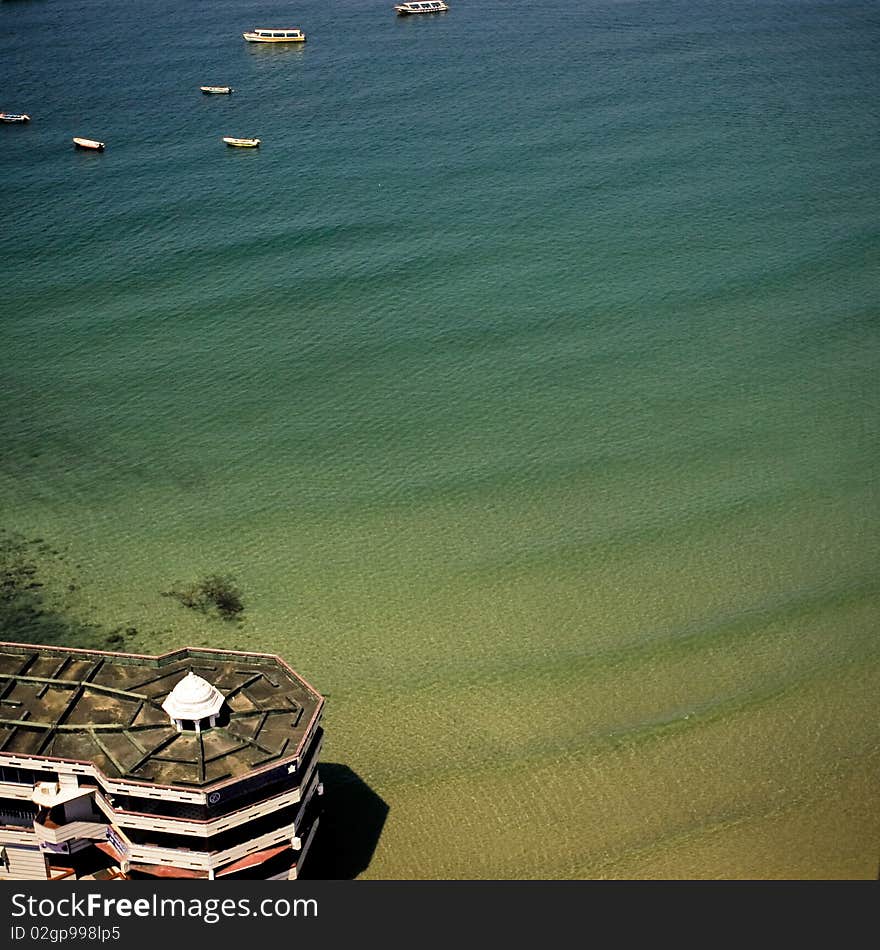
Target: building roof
[{"x": 110, "y": 709}]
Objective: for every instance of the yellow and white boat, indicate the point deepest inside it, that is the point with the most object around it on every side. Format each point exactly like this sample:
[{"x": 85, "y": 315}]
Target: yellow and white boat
[
  {"x": 275, "y": 36},
  {"x": 241, "y": 143}
]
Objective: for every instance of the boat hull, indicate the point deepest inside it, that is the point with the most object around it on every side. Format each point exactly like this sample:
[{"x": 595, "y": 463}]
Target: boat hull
[
  {"x": 241, "y": 143},
  {"x": 403, "y": 10},
  {"x": 89, "y": 144},
  {"x": 10, "y": 117},
  {"x": 256, "y": 38},
  {"x": 216, "y": 90}
]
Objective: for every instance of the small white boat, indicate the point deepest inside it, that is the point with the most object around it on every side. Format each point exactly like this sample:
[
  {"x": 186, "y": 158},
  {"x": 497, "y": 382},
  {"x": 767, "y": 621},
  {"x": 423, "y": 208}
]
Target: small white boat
[
  {"x": 89, "y": 144},
  {"x": 14, "y": 117},
  {"x": 274, "y": 36},
  {"x": 426, "y": 6},
  {"x": 217, "y": 90},
  {"x": 241, "y": 143}
]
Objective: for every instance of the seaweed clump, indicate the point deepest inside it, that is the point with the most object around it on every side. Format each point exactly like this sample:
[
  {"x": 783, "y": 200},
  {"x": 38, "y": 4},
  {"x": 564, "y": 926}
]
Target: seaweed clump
[{"x": 216, "y": 594}]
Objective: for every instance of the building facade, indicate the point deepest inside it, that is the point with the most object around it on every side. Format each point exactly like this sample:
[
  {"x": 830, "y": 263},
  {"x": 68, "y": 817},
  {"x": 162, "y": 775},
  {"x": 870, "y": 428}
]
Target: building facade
[{"x": 195, "y": 764}]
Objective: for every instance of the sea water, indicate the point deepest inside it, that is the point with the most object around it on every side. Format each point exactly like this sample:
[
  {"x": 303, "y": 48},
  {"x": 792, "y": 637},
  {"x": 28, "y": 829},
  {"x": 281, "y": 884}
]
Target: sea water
[{"x": 524, "y": 380}]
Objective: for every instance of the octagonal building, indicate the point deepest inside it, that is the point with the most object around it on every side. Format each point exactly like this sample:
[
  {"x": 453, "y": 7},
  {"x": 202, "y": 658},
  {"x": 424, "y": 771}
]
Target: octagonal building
[{"x": 195, "y": 764}]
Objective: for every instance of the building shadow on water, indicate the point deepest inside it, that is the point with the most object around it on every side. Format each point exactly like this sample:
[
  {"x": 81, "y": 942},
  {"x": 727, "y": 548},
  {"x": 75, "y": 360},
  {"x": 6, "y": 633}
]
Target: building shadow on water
[{"x": 352, "y": 818}]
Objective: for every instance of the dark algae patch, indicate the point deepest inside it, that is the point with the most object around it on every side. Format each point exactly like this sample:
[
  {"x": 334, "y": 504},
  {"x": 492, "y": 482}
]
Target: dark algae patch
[
  {"x": 215, "y": 594},
  {"x": 40, "y": 599}
]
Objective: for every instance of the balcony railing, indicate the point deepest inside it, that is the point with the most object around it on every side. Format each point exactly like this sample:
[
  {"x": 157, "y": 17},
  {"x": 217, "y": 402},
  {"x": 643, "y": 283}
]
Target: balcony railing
[
  {"x": 58, "y": 834},
  {"x": 212, "y": 860},
  {"x": 206, "y": 829},
  {"x": 16, "y": 834}
]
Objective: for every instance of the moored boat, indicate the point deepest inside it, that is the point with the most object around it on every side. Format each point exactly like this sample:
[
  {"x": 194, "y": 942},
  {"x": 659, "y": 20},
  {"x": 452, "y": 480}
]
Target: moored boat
[
  {"x": 14, "y": 117},
  {"x": 217, "y": 90},
  {"x": 425, "y": 6},
  {"x": 90, "y": 144},
  {"x": 274, "y": 36},
  {"x": 241, "y": 143}
]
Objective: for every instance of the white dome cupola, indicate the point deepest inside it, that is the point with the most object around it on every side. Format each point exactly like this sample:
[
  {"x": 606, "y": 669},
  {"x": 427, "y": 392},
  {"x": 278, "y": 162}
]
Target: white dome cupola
[{"x": 193, "y": 700}]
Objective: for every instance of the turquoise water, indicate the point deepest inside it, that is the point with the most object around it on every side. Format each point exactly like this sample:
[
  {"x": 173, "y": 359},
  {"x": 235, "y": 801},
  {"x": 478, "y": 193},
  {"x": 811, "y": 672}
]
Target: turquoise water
[{"x": 525, "y": 379}]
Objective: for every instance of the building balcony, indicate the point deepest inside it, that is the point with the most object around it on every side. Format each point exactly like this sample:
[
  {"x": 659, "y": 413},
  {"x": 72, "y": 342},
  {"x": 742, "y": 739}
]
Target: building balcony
[
  {"x": 208, "y": 828},
  {"x": 290, "y": 835},
  {"x": 51, "y": 833},
  {"x": 16, "y": 834}
]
